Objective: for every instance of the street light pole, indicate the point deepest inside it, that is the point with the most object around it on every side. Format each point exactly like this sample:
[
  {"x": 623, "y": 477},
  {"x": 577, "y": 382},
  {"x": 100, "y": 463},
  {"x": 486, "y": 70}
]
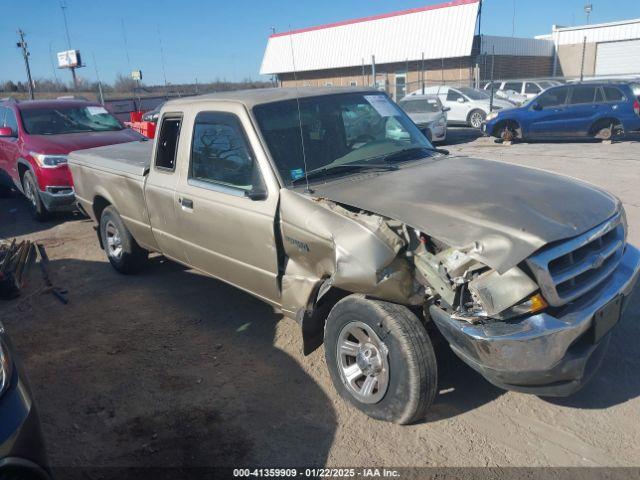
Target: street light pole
[{"x": 25, "y": 53}]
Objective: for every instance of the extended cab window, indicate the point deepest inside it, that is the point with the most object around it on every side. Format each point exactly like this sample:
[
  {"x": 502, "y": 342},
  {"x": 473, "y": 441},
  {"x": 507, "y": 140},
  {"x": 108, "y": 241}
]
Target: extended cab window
[
  {"x": 220, "y": 152},
  {"x": 168, "y": 143}
]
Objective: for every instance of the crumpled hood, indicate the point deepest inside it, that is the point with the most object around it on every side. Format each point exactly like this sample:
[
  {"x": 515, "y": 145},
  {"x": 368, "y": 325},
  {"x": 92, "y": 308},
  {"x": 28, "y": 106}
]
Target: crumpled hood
[{"x": 508, "y": 210}]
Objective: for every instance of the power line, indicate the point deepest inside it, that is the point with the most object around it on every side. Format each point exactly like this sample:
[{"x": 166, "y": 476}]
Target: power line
[{"x": 25, "y": 53}]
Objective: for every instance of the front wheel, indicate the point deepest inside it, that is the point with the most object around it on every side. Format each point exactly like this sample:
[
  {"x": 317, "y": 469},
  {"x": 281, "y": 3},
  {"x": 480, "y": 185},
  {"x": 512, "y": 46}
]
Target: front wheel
[
  {"x": 476, "y": 117},
  {"x": 380, "y": 359},
  {"x": 123, "y": 252},
  {"x": 32, "y": 192}
]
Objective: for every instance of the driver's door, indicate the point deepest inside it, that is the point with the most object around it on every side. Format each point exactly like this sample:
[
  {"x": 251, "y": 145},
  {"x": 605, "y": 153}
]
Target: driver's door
[
  {"x": 225, "y": 207},
  {"x": 458, "y": 105},
  {"x": 548, "y": 113}
]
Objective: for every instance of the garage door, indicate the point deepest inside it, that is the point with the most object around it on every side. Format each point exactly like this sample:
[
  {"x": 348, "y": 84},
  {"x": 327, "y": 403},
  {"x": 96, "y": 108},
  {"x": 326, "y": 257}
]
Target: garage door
[{"x": 616, "y": 58}]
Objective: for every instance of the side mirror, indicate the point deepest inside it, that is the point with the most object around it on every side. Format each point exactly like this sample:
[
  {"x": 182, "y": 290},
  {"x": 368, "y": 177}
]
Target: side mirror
[
  {"x": 446, "y": 109},
  {"x": 7, "y": 132},
  {"x": 258, "y": 192},
  {"x": 536, "y": 106},
  {"x": 460, "y": 100}
]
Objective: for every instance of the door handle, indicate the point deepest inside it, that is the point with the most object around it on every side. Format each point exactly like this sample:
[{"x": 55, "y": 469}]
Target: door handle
[{"x": 186, "y": 203}]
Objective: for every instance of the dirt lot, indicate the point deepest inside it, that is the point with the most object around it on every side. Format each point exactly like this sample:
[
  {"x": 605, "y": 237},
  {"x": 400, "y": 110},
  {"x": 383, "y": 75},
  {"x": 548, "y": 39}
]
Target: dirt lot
[{"x": 172, "y": 368}]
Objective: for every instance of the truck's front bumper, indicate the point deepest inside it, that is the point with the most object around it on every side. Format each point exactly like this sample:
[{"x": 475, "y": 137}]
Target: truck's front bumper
[{"x": 544, "y": 354}]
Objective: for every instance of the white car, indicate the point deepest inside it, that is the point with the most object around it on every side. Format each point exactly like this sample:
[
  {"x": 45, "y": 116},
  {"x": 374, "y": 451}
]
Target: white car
[
  {"x": 521, "y": 89},
  {"x": 428, "y": 113},
  {"x": 468, "y": 105}
]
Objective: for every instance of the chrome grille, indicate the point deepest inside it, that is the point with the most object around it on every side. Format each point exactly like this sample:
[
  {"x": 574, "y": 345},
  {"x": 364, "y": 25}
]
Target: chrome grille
[{"x": 572, "y": 268}]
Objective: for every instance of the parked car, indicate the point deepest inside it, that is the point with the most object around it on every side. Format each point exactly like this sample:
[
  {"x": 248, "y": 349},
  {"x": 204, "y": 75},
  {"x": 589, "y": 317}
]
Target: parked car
[
  {"x": 428, "y": 113},
  {"x": 152, "y": 115},
  {"x": 468, "y": 105},
  {"x": 372, "y": 245},
  {"x": 594, "y": 109},
  {"x": 35, "y": 138},
  {"x": 22, "y": 452},
  {"x": 526, "y": 89}
]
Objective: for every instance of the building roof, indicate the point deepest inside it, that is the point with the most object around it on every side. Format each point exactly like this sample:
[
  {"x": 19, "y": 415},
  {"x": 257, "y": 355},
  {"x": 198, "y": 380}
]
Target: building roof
[
  {"x": 439, "y": 31},
  {"x": 521, "y": 47},
  {"x": 598, "y": 32},
  {"x": 258, "y": 96}
]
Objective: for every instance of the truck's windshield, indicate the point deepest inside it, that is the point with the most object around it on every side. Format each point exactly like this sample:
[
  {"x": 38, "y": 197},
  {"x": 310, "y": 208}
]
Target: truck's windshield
[
  {"x": 337, "y": 130},
  {"x": 61, "y": 120}
]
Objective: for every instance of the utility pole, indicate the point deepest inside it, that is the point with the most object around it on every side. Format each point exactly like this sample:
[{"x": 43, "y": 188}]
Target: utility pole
[
  {"x": 95, "y": 65},
  {"x": 25, "y": 53},
  {"x": 63, "y": 7}
]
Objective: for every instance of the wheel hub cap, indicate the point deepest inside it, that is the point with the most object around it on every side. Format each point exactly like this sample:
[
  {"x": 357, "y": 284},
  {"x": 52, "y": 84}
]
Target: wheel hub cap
[
  {"x": 363, "y": 362},
  {"x": 114, "y": 242}
]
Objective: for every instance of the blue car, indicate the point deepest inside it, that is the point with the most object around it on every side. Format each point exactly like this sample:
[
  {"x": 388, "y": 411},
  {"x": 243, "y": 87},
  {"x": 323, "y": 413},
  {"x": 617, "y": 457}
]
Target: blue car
[{"x": 588, "y": 110}]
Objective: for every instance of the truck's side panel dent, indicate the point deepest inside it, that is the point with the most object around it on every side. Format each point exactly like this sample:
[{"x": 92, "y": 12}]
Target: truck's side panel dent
[{"x": 356, "y": 252}]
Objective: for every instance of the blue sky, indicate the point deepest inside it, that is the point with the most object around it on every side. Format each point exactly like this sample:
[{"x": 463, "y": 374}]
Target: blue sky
[{"x": 225, "y": 39}]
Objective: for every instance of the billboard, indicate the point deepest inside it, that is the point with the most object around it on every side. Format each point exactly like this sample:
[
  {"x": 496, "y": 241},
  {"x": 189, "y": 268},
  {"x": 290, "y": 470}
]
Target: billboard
[{"x": 69, "y": 59}]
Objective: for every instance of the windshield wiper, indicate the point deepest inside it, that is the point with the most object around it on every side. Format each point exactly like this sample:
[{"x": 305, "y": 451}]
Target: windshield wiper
[
  {"x": 399, "y": 154},
  {"x": 322, "y": 171}
]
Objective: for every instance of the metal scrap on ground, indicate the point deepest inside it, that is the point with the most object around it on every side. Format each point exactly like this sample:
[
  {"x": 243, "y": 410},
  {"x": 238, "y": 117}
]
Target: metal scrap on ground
[{"x": 16, "y": 260}]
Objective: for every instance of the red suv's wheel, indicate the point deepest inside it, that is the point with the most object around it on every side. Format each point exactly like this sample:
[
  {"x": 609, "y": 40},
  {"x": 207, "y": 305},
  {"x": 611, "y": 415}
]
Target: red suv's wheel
[{"x": 32, "y": 192}]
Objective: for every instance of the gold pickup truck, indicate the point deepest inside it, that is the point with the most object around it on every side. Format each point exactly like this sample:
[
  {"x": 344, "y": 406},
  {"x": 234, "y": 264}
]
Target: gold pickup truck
[{"x": 332, "y": 206}]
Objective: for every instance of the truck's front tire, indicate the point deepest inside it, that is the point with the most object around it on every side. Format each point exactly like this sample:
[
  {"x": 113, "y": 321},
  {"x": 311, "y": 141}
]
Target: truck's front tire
[
  {"x": 123, "y": 252},
  {"x": 380, "y": 359}
]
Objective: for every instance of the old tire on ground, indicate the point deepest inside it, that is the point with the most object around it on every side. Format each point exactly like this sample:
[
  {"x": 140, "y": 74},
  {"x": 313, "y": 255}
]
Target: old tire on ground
[
  {"x": 32, "y": 192},
  {"x": 380, "y": 359},
  {"x": 475, "y": 118},
  {"x": 123, "y": 252}
]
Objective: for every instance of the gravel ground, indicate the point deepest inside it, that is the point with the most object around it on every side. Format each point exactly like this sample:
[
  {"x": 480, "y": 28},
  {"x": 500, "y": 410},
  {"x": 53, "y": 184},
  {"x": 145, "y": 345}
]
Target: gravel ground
[{"x": 173, "y": 368}]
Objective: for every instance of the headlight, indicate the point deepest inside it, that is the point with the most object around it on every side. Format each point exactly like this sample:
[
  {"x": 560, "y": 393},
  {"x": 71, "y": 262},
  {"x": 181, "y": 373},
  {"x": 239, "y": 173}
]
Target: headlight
[
  {"x": 442, "y": 122},
  {"x": 5, "y": 366},
  {"x": 491, "y": 116},
  {"x": 49, "y": 161}
]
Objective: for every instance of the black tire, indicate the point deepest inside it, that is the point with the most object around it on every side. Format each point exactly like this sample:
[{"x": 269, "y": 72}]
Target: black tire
[
  {"x": 123, "y": 252},
  {"x": 475, "y": 118},
  {"x": 412, "y": 376},
  {"x": 32, "y": 193}
]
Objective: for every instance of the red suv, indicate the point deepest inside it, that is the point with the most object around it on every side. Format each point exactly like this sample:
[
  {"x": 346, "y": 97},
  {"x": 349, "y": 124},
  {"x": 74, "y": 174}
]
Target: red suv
[{"x": 35, "y": 138}]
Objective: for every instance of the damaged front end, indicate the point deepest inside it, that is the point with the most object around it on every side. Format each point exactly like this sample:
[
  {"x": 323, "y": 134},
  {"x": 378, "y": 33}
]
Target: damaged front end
[
  {"x": 469, "y": 290},
  {"x": 506, "y": 324},
  {"x": 334, "y": 247}
]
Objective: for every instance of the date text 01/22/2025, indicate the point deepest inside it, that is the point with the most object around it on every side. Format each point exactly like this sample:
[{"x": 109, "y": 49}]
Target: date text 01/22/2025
[{"x": 316, "y": 472}]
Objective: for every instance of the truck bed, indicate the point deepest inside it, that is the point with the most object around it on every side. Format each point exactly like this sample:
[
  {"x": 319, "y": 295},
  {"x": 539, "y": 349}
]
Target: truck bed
[
  {"x": 115, "y": 175},
  {"x": 130, "y": 159}
]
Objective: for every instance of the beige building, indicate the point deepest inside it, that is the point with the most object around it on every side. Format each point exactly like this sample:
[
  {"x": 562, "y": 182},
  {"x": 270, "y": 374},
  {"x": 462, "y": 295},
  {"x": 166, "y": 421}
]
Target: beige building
[
  {"x": 400, "y": 51},
  {"x": 597, "y": 50}
]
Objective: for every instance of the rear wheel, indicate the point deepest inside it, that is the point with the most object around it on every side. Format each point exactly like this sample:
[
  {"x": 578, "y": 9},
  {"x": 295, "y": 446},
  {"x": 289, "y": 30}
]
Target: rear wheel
[
  {"x": 123, "y": 252},
  {"x": 380, "y": 359},
  {"x": 476, "y": 117},
  {"x": 5, "y": 192},
  {"x": 32, "y": 192},
  {"x": 607, "y": 129}
]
